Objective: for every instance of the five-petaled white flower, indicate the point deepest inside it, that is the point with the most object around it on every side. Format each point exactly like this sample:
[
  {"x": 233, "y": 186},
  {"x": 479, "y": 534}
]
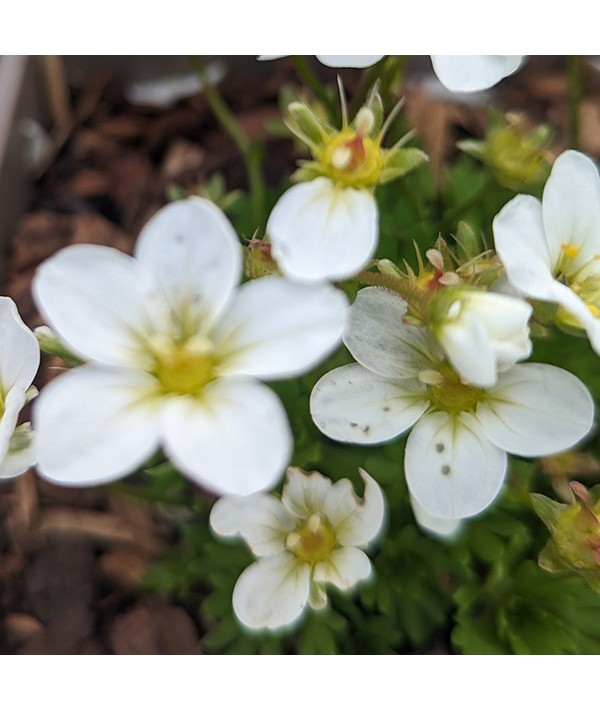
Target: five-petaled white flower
[
  {"x": 551, "y": 250},
  {"x": 455, "y": 459},
  {"x": 309, "y": 538},
  {"x": 481, "y": 332},
  {"x": 19, "y": 361},
  {"x": 174, "y": 355},
  {"x": 457, "y": 72}
]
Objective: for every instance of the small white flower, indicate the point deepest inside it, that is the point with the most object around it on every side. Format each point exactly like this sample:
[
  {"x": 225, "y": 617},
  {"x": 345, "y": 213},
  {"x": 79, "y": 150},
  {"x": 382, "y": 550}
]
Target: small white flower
[
  {"x": 309, "y": 538},
  {"x": 551, "y": 249},
  {"x": 174, "y": 356},
  {"x": 321, "y": 230},
  {"x": 455, "y": 459},
  {"x": 483, "y": 333},
  {"x": 19, "y": 361}
]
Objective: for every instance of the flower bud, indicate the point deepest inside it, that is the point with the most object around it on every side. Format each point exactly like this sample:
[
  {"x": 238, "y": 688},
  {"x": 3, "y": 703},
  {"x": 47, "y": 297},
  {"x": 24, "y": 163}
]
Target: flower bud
[
  {"x": 574, "y": 544},
  {"x": 515, "y": 156},
  {"x": 480, "y": 332}
]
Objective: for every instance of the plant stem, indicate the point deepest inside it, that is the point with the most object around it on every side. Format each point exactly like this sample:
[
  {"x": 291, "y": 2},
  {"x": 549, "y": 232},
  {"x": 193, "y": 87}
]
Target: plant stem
[
  {"x": 575, "y": 88},
  {"x": 251, "y": 152}
]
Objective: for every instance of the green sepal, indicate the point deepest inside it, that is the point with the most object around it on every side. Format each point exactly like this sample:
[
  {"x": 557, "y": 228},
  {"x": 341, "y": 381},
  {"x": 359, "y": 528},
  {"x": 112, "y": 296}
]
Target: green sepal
[
  {"x": 307, "y": 126},
  {"x": 401, "y": 161},
  {"x": 467, "y": 240},
  {"x": 547, "y": 509},
  {"x": 551, "y": 560},
  {"x": 375, "y": 104},
  {"x": 474, "y": 148}
]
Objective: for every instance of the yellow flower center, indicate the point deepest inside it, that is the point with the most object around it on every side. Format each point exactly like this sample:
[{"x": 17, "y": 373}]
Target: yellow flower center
[
  {"x": 313, "y": 541},
  {"x": 183, "y": 368},
  {"x": 351, "y": 159},
  {"x": 447, "y": 393}
]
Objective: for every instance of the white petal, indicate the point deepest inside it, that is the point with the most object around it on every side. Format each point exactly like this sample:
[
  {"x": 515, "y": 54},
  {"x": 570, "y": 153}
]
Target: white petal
[
  {"x": 95, "y": 425},
  {"x": 452, "y": 468},
  {"x": 473, "y": 72},
  {"x": 277, "y": 329},
  {"x": 356, "y": 523},
  {"x": 194, "y": 251},
  {"x": 344, "y": 568},
  {"x": 380, "y": 341},
  {"x": 470, "y": 352},
  {"x": 322, "y": 231},
  {"x": 99, "y": 300},
  {"x": 234, "y": 439},
  {"x": 536, "y": 409},
  {"x": 351, "y": 404},
  {"x": 521, "y": 245},
  {"x": 260, "y": 519},
  {"x": 17, "y": 463},
  {"x": 14, "y": 401},
  {"x": 355, "y": 61},
  {"x": 441, "y": 527},
  {"x": 272, "y": 592},
  {"x": 571, "y": 207},
  {"x": 490, "y": 333},
  {"x": 304, "y": 492},
  {"x": 19, "y": 350}
]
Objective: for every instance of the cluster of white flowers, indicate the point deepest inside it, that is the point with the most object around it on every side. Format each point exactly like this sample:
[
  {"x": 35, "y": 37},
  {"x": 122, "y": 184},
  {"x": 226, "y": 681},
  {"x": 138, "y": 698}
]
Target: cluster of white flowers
[{"x": 173, "y": 354}]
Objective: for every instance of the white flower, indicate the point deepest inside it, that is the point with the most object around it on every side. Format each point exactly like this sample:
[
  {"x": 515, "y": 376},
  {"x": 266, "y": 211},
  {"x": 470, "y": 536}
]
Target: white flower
[
  {"x": 174, "y": 355},
  {"x": 309, "y": 538},
  {"x": 473, "y": 72},
  {"x": 321, "y": 230},
  {"x": 455, "y": 459},
  {"x": 457, "y": 72},
  {"x": 482, "y": 333},
  {"x": 551, "y": 249},
  {"x": 19, "y": 361}
]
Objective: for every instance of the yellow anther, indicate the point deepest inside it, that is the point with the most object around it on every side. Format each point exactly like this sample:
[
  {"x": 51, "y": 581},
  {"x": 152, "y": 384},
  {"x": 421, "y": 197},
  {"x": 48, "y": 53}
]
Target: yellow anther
[
  {"x": 570, "y": 250},
  {"x": 341, "y": 157}
]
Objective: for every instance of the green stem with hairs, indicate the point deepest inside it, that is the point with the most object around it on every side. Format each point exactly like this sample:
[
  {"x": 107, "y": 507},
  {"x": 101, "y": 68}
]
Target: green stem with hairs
[{"x": 251, "y": 152}]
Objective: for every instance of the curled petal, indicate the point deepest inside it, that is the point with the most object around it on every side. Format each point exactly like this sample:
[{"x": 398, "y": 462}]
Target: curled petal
[
  {"x": 351, "y": 404},
  {"x": 452, "y": 469},
  {"x": 272, "y": 592},
  {"x": 344, "y": 568},
  {"x": 473, "y": 72},
  {"x": 536, "y": 410},
  {"x": 193, "y": 250},
  {"x": 234, "y": 439},
  {"x": 321, "y": 231},
  {"x": 19, "y": 350},
  {"x": 380, "y": 341},
  {"x": 356, "y": 523},
  {"x": 95, "y": 425},
  {"x": 260, "y": 519},
  {"x": 261, "y": 331}
]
